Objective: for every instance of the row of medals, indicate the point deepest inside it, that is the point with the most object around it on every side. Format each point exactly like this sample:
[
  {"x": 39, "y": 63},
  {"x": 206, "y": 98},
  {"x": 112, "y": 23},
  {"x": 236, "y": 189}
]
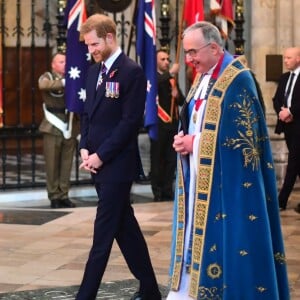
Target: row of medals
[{"x": 112, "y": 89}]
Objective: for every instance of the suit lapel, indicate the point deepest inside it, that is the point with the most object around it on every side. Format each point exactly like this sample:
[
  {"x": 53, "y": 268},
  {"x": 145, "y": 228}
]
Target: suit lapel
[
  {"x": 99, "y": 94},
  {"x": 91, "y": 88},
  {"x": 295, "y": 89}
]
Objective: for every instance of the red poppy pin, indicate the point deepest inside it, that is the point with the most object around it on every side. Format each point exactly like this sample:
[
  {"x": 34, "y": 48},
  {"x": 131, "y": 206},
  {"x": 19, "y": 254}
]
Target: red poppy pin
[{"x": 113, "y": 73}]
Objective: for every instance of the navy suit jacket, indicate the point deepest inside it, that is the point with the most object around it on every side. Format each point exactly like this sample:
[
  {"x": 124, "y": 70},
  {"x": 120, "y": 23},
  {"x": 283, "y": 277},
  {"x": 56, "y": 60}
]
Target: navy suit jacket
[
  {"x": 278, "y": 102},
  {"x": 109, "y": 125}
]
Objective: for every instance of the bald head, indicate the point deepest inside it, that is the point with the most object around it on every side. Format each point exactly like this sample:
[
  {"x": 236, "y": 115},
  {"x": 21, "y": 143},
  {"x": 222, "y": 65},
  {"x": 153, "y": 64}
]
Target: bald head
[{"x": 291, "y": 58}]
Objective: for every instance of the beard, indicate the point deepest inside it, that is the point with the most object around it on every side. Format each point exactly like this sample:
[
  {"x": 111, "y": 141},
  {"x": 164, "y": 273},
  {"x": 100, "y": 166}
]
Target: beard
[{"x": 102, "y": 55}]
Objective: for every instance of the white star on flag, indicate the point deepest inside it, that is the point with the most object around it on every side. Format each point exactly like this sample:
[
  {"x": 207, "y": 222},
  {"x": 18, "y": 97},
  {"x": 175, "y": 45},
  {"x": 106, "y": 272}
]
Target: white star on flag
[
  {"x": 149, "y": 85},
  {"x": 82, "y": 94},
  {"x": 74, "y": 72},
  {"x": 77, "y": 57}
]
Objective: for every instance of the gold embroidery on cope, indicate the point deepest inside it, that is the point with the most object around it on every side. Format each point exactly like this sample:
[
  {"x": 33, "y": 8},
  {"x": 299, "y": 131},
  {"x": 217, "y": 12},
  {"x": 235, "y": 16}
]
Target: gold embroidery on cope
[
  {"x": 194, "y": 88},
  {"x": 210, "y": 293},
  {"x": 214, "y": 271},
  {"x": 261, "y": 289},
  {"x": 220, "y": 216},
  {"x": 243, "y": 253},
  {"x": 212, "y": 110},
  {"x": 252, "y": 218},
  {"x": 247, "y": 184},
  {"x": 207, "y": 150},
  {"x": 199, "y": 213},
  {"x": 203, "y": 179},
  {"x": 280, "y": 258},
  {"x": 207, "y": 142},
  {"x": 213, "y": 248},
  {"x": 247, "y": 140},
  {"x": 175, "y": 281},
  {"x": 194, "y": 286},
  {"x": 198, "y": 245}
]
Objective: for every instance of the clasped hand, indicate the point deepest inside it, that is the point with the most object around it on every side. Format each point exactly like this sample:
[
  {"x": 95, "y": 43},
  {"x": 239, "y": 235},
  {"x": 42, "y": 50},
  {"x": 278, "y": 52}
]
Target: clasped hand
[
  {"x": 183, "y": 144},
  {"x": 91, "y": 162},
  {"x": 285, "y": 115}
]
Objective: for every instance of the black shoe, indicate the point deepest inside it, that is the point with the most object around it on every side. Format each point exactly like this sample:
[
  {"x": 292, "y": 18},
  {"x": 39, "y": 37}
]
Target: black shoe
[
  {"x": 297, "y": 209},
  {"x": 157, "y": 199},
  {"x": 67, "y": 203},
  {"x": 139, "y": 296},
  {"x": 167, "y": 197},
  {"x": 55, "y": 204}
]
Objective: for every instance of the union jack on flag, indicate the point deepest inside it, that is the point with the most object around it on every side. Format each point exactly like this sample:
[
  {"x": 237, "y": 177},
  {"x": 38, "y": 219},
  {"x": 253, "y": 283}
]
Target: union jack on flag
[
  {"x": 77, "y": 57},
  {"x": 223, "y": 11},
  {"x": 146, "y": 50}
]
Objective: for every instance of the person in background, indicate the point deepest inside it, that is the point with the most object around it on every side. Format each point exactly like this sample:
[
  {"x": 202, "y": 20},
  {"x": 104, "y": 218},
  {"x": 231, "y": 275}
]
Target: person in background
[
  {"x": 162, "y": 154},
  {"x": 142, "y": 178},
  {"x": 287, "y": 107},
  {"x": 59, "y": 144},
  {"x": 113, "y": 112},
  {"x": 226, "y": 216}
]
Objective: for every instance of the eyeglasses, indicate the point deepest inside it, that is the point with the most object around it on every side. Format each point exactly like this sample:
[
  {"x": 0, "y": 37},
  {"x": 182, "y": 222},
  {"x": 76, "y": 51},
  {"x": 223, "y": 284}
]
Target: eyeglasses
[{"x": 193, "y": 52}]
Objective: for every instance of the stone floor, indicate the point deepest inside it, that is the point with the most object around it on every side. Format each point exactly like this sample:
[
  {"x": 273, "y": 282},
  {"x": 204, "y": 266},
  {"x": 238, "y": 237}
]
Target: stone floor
[{"x": 43, "y": 251}]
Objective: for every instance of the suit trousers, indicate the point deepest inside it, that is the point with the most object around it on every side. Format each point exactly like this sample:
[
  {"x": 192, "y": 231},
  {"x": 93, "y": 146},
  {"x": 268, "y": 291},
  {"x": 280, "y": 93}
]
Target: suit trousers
[
  {"x": 293, "y": 166},
  {"x": 115, "y": 220},
  {"x": 58, "y": 155},
  {"x": 163, "y": 162}
]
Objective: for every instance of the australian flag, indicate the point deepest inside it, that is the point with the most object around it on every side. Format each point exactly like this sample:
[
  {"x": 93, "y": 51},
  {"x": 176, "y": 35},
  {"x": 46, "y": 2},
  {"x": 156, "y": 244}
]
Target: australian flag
[
  {"x": 77, "y": 57},
  {"x": 146, "y": 50}
]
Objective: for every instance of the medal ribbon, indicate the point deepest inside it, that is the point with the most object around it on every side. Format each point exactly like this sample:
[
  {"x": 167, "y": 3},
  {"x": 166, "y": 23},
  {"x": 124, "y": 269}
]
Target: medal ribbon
[{"x": 198, "y": 103}]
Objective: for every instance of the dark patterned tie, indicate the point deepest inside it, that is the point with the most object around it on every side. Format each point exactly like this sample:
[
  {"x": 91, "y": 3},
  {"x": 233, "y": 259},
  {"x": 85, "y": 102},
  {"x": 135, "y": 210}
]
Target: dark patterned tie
[{"x": 101, "y": 75}]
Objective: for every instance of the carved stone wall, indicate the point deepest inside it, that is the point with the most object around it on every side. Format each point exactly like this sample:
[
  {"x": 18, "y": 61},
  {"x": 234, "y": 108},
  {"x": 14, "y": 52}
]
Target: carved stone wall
[{"x": 274, "y": 27}]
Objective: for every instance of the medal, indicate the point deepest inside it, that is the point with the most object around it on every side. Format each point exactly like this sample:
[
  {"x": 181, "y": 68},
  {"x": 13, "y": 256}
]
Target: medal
[
  {"x": 195, "y": 117},
  {"x": 112, "y": 89}
]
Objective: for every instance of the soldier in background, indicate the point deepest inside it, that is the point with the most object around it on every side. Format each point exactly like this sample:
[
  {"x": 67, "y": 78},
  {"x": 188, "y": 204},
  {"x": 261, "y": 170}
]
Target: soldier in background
[{"x": 60, "y": 129}]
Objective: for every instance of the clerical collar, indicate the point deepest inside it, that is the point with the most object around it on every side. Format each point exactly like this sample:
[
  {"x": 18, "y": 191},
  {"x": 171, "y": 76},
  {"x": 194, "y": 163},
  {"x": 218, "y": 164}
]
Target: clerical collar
[
  {"x": 211, "y": 70},
  {"x": 109, "y": 62},
  {"x": 215, "y": 70}
]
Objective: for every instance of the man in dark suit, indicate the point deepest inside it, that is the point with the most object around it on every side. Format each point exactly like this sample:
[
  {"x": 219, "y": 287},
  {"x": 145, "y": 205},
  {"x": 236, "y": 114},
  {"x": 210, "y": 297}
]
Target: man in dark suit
[
  {"x": 114, "y": 107},
  {"x": 286, "y": 103},
  {"x": 162, "y": 153}
]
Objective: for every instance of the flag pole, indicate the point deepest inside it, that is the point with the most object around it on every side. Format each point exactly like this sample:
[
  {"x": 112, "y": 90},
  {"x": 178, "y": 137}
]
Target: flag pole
[
  {"x": 179, "y": 34},
  {"x": 131, "y": 27},
  {"x": 1, "y": 87},
  {"x": 178, "y": 53}
]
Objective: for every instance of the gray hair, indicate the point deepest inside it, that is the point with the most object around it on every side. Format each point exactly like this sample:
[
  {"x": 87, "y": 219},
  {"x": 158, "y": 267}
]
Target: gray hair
[{"x": 210, "y": 32}]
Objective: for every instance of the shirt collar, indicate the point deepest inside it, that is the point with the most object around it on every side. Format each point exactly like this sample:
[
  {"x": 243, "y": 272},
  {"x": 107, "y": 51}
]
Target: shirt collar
[
  {"x": 296, "y": 71},
  {"x": 211, "y": 70},
  {"x": 109, "y": 62}
]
